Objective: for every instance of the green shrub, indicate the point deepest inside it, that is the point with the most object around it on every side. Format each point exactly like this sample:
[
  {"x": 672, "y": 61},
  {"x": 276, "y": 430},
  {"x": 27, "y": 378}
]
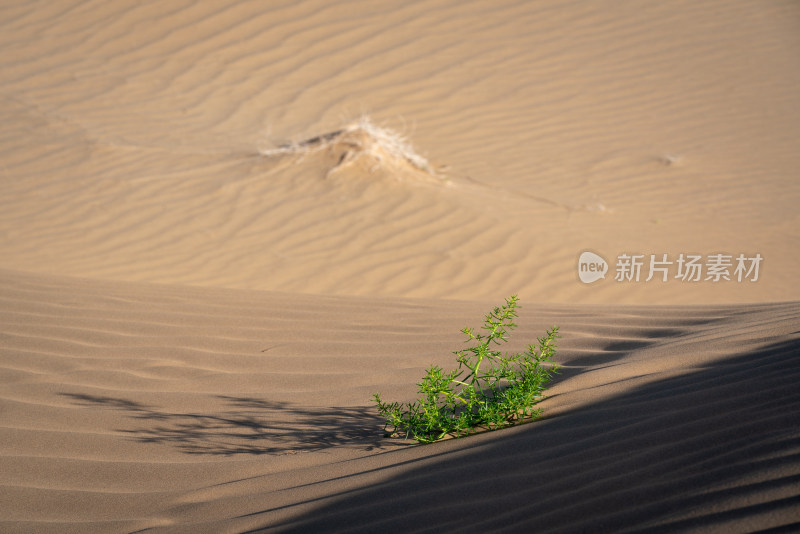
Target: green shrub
[{"x": 489, "y": 389}]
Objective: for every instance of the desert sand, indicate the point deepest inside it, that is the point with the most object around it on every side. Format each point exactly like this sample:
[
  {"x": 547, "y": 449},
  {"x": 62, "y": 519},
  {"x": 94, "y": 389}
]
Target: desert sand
[{"x": 224, "y": 225}]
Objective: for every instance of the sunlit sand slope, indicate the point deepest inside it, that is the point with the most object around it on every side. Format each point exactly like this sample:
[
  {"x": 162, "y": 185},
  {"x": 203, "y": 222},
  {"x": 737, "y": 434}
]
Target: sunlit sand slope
[{"x": 144, "y": 142}]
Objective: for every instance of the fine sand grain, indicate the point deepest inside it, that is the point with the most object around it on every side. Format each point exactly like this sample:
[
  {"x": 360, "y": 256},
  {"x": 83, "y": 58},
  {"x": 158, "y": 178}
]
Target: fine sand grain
[{"x": 224, "y": 225}]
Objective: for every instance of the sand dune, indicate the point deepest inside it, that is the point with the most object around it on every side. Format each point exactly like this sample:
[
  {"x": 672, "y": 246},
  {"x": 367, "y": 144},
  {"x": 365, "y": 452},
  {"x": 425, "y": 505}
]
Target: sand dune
[
  {"x": 134, "y": 142},
  {"x": 128, "y": 407},
  {"x": 225, "y": 225}
]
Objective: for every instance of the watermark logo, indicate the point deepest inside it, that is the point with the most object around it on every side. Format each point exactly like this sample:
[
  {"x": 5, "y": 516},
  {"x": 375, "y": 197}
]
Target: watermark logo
[
  {"x": 687, "y": 268},
  {"x": 591, "y": 267}
]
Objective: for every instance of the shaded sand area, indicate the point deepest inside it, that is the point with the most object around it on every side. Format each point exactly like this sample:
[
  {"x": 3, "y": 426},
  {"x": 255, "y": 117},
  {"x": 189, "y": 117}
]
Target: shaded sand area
[{"x": 225, "y": 225}]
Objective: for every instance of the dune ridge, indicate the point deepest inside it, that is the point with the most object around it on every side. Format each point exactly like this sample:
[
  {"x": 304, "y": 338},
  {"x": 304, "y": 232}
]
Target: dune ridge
[{"x": 119, "y": 414}]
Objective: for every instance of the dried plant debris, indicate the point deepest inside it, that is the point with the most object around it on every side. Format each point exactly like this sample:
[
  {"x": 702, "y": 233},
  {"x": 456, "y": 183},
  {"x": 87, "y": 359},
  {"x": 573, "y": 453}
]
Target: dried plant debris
[{"x": 362, "y": 142}]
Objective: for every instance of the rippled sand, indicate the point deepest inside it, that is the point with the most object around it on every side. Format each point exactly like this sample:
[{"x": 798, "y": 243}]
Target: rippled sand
[{"x": 225, "y": 225}]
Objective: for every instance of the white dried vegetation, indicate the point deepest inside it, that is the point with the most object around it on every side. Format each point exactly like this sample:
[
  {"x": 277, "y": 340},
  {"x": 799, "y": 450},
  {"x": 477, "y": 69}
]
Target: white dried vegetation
[{"x": 362, "y": 138}]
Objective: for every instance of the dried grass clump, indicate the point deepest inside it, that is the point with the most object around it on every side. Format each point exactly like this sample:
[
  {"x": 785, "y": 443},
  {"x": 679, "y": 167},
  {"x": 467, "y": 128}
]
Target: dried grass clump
[{"x": 381, "y": 147}]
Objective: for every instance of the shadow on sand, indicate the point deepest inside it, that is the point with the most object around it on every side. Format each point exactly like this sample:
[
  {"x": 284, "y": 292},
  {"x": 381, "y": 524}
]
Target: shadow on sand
[
  {"x": 717, "y": 449},
  {"x": 248, "y": 426}
]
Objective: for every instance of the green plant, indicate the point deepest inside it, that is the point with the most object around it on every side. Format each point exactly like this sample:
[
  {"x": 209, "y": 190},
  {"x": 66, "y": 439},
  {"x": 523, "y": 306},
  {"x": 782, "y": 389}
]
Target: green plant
[{"x": 489, "y": 389}]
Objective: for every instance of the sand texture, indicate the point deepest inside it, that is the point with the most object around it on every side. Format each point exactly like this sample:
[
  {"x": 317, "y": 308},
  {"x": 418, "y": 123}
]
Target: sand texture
[{"x": 224, "y": 225}]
